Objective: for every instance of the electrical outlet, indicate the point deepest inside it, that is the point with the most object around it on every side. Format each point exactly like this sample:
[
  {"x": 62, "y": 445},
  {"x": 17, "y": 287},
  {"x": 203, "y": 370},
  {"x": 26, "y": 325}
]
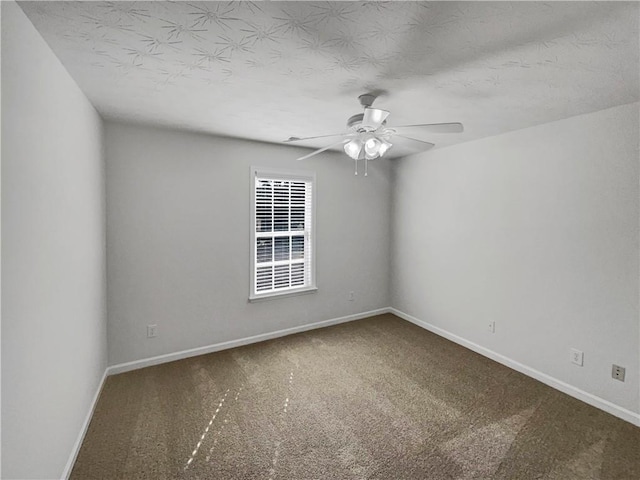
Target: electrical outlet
[
  {"x": 152, "y": 331},
  {"x": 352, "y": 296},
  {"x": 617, "y": 372},
  {"x": 577, "y": 357},
  {"x": 492, "y": 327}
]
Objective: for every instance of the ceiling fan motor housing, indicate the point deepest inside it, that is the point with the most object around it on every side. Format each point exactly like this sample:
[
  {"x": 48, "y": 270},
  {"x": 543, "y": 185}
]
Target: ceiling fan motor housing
[{"x": 355, "y": 123}]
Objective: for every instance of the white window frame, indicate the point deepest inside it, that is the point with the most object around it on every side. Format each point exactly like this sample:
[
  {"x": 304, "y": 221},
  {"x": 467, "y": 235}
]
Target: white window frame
[{"x": 295, "y": 175}]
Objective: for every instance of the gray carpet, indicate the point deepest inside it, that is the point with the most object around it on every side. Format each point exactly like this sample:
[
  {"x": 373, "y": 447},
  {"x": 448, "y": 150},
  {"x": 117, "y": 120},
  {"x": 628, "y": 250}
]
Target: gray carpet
[{"x": 373, "y": 399}]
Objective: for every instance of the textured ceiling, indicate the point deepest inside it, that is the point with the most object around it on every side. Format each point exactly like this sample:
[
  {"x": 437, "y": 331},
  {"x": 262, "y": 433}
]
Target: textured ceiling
[{"x": 270, "y": 70}]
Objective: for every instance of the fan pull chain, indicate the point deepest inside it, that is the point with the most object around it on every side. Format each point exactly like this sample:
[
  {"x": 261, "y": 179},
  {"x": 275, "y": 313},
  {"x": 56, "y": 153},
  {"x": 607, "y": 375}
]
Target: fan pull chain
[
  {"x": 366, "y": 163},
  {"x": 356, "y": 162}
]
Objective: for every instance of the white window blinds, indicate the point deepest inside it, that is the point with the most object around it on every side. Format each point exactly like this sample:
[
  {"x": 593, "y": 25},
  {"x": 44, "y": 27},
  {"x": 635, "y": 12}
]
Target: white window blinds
[{"x": 282, "y": 236}]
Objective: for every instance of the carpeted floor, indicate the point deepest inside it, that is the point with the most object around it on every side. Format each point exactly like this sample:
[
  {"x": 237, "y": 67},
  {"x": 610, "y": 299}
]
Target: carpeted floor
[{"x": 373, "y": 399}]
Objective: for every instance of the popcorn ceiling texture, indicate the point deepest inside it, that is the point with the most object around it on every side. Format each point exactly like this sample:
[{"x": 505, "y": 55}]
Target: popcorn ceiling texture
[
  {"x": 270, "y": 70},
  {"x": 377, "y": 398}
]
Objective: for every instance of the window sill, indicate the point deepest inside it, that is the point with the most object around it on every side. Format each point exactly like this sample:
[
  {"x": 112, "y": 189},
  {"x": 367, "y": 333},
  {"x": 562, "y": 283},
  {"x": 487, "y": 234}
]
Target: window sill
[{"x": 289, "y": 293}]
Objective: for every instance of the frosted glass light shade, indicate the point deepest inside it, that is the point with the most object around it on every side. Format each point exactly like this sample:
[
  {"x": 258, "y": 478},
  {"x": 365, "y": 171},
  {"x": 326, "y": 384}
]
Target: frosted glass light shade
[
  {"x": 372, "y": 147},
  {"x": 353, "y": 148},
  {"x": 384, "y": 146}
]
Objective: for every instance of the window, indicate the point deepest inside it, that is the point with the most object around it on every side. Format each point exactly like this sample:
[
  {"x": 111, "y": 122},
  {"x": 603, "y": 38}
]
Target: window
[{"x": 282, "y": 236}]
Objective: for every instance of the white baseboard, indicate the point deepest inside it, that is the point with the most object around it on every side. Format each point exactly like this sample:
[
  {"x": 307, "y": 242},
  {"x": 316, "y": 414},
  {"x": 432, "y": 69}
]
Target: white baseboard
[
  {"x": 575, "y": 392},
  {"x": 170, "y": 357},
  {"x": 83, "y": 431}
]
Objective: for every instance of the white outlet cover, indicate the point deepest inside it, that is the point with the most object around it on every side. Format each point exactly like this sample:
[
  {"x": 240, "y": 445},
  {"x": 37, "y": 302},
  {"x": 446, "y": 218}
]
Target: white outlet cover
[
  {"x": 577, "y": 357},
  {"x": 618, "y": 372}
]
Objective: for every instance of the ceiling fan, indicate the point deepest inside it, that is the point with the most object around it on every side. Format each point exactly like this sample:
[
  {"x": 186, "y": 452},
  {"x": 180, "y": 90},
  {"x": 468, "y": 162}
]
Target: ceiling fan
[{"x": 368, "y": 137}]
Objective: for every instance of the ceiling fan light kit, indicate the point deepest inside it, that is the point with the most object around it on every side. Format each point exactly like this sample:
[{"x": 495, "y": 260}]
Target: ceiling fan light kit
[
  {"x": 369, "y": 138},
  {"x": 366, "y": 147}
]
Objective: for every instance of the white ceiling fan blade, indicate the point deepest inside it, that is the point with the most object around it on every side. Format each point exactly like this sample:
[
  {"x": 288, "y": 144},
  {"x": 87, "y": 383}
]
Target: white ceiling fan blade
[
  {"x": 374, "y": 117},
  {"x": 298, "y": 139},
  {"x": 412, "y": 143},
  {"x": 315, "y": 152},
  {"x": 435, "y": 127}
]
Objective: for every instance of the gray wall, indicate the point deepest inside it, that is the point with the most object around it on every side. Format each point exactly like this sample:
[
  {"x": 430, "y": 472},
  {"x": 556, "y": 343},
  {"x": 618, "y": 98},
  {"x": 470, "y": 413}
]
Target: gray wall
[
  {"x": 536, "y": 230},
  {"x": 53, "y": 255},
  {"x": 178, "y": 240}
]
